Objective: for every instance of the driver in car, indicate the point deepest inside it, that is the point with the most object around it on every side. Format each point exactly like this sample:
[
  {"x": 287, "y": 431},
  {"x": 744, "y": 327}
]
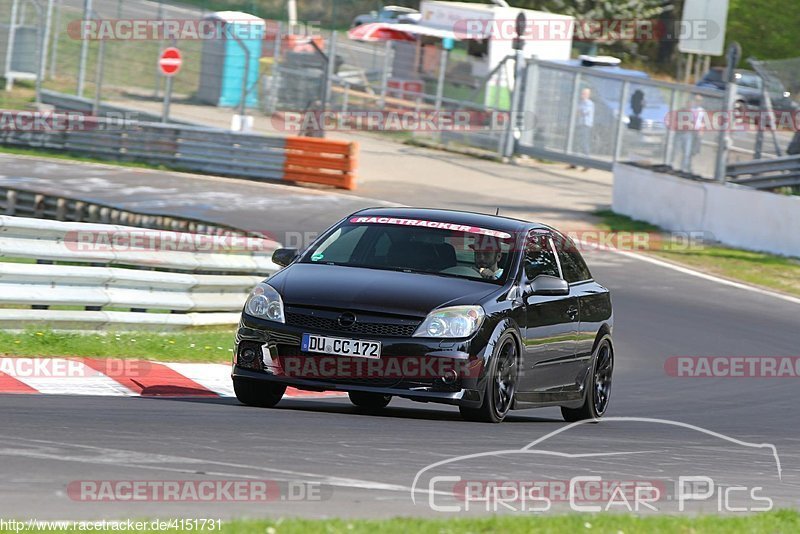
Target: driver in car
[{"x": 487, "y": 257}]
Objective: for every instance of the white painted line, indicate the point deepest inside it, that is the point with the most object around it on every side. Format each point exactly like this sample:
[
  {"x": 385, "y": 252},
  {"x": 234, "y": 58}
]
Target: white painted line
[
  {"x": 697, "y": 274},
  {"x": 142, "y": 460}
]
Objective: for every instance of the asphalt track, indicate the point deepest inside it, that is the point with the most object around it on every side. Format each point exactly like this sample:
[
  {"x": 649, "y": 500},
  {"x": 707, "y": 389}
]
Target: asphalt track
[{"x": 366, "y": 463}]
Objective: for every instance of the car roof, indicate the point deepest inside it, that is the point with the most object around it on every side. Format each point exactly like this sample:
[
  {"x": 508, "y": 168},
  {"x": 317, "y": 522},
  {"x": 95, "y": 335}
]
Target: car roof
[
  {"x": 720, "y": 70},
  {"x": 400, "y": 9},
  {"x": 616, "y": 69},
  {"x": 492, "y": 222}
]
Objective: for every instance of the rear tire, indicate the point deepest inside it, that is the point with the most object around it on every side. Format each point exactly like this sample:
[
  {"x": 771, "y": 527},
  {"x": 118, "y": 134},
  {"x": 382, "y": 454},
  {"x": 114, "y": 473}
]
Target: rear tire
[
  {"x": 501, "y": 384},
  {"x": 369, "y": 401},
  {"x": 598, "y": 387},
  {"x": 257, "y": 393}
]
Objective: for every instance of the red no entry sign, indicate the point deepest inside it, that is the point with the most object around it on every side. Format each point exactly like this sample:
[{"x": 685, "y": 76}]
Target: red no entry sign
[{"x": 170, "y": 61}]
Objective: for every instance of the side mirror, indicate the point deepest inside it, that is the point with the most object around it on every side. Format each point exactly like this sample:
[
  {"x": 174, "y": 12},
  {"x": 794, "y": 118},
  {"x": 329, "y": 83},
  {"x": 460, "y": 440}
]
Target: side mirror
[
  {"x": 546, "y": 285},
  {"x": 284, "y": 256}
]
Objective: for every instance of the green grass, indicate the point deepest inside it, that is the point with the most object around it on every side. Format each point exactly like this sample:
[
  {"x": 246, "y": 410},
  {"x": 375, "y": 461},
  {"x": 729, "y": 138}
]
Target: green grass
[
  {"x": 21, "y": 96},
  {"x": 779, "y": 522},
  {"x": 208, "y": 345},
  {"x": 758, "y": 268},
  {"x": 127, "y": 64}
]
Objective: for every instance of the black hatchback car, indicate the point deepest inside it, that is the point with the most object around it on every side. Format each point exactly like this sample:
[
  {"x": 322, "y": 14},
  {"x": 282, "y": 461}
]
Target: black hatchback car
[
  {"x": 750, "y": 89},
  {"x": 484, "y": 312}
]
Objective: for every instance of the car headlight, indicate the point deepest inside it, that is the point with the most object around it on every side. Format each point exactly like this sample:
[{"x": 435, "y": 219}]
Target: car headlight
[
  {"x": 456, "y": 321},
  {"x": 265, "y": 302}
]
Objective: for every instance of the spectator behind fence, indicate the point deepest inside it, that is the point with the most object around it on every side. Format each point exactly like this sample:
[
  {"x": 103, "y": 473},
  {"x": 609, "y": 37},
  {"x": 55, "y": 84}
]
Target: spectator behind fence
[
  {"x": 689, "y": 139},
  {"x": 584, "y": 122}
]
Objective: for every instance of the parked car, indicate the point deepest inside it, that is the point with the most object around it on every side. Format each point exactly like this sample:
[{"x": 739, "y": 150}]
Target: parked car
[
  {"x": 749, "y": 89},
  {"x": 484, "y": 312},
  {"x": 397, "y": 14}
]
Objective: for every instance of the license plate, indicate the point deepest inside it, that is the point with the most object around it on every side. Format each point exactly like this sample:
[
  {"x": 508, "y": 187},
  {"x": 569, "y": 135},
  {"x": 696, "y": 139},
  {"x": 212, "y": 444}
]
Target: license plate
[{"x": 341, "y": 346}]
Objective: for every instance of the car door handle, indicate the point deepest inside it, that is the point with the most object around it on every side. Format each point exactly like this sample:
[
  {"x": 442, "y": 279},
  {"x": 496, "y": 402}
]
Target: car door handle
[{"x": 572, "y": 312}]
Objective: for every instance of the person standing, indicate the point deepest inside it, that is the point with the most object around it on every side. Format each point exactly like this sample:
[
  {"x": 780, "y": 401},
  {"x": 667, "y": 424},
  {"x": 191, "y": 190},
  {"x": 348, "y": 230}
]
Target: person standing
[
  {"x": 690, "y": 140},
  {"x": 584, "y": 122}
]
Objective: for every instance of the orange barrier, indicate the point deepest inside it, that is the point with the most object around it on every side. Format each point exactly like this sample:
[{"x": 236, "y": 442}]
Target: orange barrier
[{"x": 321, "y": 161}]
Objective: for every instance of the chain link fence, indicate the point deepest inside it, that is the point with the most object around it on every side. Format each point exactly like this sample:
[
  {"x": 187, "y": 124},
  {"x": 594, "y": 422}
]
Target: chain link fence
[
  {"x": 595, "y": 117},
  {"x": 311, "y": 68},
  {"x": 781, "y": 83}
]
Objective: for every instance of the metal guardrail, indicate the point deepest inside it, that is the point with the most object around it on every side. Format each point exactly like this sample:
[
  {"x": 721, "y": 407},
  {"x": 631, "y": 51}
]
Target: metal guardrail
[
  {"x": 766, "y": 173},
  {"x": 24, "y": 203},
  {"x": 120, "y": 276},
  {"x": 66, "y": 102},
  {"x": 183, "y": 147},
  {"x": 198, "y": 149}
]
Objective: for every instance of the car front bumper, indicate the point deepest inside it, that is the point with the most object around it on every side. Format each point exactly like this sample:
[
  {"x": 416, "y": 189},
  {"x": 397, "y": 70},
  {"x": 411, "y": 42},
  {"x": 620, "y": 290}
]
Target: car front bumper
[{"x": 442, "y": 371}]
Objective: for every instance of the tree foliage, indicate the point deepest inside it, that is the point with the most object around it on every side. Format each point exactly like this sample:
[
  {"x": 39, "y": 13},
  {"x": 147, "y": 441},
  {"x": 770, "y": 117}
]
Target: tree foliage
[{"x": 767, "y": 29}]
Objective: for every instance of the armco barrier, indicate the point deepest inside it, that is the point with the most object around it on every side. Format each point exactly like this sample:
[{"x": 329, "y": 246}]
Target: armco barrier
[
  {"x": 25, "y": 203},
  {"x": 119, "y": 268},
  {"x": 735, "y": 215},
  {"x": 204, "y": 150},
  {"x": 67, "y": 102}
]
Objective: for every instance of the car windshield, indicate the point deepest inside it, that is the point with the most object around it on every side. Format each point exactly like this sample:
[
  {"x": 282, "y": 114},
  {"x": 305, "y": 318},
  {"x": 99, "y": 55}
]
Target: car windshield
[{"x": 431, "y": 247}]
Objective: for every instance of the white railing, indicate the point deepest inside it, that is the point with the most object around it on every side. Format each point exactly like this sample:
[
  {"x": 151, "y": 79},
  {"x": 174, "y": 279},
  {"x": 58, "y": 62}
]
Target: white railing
[{"x": 97, "y": 275}]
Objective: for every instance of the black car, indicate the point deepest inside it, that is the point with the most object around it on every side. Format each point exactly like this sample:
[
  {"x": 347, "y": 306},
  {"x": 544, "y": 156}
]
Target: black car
[
  {"x": 749, "y": 89},
  {"x": 484, "y": 312}
]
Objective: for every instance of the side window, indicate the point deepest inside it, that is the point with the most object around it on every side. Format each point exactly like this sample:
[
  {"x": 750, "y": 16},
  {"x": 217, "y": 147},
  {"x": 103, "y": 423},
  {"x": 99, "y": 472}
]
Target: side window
[
  {"x": 750, "y": 80},
  {"x": 539, "y": 257},
  {"x": 575, "y": 269}
]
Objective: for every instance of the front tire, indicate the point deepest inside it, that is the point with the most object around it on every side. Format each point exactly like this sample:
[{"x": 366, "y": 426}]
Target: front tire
[
  {"x": 369, "y": 401},
  {"x": 501, "y": 384},
  {"x": 257, "y": 393},
  {"x": 598, "y": 389}
]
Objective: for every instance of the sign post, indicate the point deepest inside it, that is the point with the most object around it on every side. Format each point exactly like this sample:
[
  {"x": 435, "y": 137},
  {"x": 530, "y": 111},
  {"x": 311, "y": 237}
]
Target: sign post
[
  {"x": 733, "y": 56},
  {"x": 516, "y": 92},
  {"x": 169, "y": 62}
]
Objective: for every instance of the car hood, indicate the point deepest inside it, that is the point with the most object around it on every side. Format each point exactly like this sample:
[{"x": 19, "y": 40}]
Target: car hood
[{"x": 375, "y": 290}]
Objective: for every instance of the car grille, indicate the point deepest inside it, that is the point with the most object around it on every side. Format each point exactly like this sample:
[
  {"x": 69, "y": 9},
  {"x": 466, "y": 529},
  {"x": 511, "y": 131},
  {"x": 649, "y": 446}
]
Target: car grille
[{"x": 371, "y": 328}]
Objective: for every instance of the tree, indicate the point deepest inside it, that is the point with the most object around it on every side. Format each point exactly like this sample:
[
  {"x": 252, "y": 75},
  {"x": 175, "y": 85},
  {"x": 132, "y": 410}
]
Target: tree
[{"x": 766, "y": 29}]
